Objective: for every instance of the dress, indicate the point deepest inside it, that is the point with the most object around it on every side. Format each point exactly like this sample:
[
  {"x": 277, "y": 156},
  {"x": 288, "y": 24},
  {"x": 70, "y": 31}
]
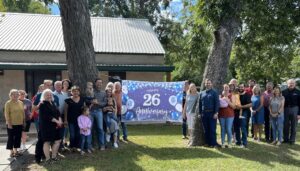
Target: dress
[
  {"x": 191, "y": 101},
  {"x": 257, "y": 118},
  {"x": 49, "y": 129}
]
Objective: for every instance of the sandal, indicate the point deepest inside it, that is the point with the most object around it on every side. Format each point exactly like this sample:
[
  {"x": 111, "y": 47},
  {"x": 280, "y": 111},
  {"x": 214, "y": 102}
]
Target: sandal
[
  {"x": 12, "y": 155},
  {"x": 17, "y": 154}
]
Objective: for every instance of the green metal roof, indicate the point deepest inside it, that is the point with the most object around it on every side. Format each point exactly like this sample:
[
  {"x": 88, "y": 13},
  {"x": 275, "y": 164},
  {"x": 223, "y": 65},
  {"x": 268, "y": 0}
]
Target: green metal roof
[{"x": 101, "y": 67}]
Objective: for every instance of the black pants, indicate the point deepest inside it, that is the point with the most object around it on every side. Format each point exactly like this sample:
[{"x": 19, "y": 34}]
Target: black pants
[
  {"x": 14, "y": 137},
  {"x": 268, "y": 131},
  {"x": 39, "y": 153}
]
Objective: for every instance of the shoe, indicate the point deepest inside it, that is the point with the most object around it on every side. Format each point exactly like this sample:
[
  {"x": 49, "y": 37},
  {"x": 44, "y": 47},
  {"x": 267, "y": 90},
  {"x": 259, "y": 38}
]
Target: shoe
[
  {"x": 116, "y": 145},
  {"x": 92, "y": 149},
  {"x": 185, "y": 137},
  {"x": 55, "y": 159},
  {"x": 23, "y": 147},
  {"x": 292, "y": 143},
  {"x": 102, "y": 148},
  {"x": 107, "y": 138},
  {"x": 223, "y": 146},
  {"x": 217, "y": 146},
  {"x": 242, "y": 146},
  {"x": 241, "y": 117},
  {"x": 48, "y": 162},
  {"x": 274, "y": 142},
  {"x": 125, "y": 139},
  {"x": 89, "y": 151},
  {"x": 278, "y": 143},
  {"x": 82, "y": 153},
  {"x": 229, "y": 146}
]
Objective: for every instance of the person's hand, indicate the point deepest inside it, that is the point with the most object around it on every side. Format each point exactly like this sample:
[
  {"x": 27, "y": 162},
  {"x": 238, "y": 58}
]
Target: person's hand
[
  {"x": 9, "y": 126},
  {"x": 215, "y": 116},
  {"x": 298, "y": 117}
]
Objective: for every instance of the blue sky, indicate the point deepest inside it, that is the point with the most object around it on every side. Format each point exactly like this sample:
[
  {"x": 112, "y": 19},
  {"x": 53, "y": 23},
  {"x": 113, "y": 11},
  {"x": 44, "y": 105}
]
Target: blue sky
[{"x": 176, "y": 6}]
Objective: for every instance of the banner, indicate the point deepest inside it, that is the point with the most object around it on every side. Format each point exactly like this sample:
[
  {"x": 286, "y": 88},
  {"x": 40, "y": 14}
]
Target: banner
[{"x": 152, "y": 101}]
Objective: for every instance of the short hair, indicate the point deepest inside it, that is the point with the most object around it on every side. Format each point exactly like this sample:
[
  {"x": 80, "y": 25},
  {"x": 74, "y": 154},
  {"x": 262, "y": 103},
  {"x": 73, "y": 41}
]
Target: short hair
[
  {"x": 75, "y": 87},
  {"x": 57, "y": 82},
  {"x": 291, "y": 80},
  {"x": 251, "y": 80},
  {"x": 22, "y": 91},
  {"x": 12, "y": 91},
  {"x": 44, "y": 93},
  {"x": 97, "y": 80},
  {"x": 207, "y": 79},
  {"x": 48, "y": 81},
  {"x": 232, "y": 80},
  {"x": 270, "y": 83},
  {"x": 84, "y": 109}
]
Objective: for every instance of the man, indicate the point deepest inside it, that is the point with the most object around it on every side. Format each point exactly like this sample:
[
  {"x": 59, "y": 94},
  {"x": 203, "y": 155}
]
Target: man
[
  {"x": 184, "y": 125},
  {"x": 267, "y": 96},
  {"x": 61, "y": 99},
  {"x": 246, "y": 113},
  {"x": 251, "y": 84},
  {"x": 291, "y": 110},
  {"x": 96, "y": 111},
  {"x": 208, "y": 109}
]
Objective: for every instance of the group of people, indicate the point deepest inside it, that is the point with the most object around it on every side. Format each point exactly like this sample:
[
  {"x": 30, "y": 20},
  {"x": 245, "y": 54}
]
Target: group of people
[
  {"x": 96, "y": 115},
  {"x": 274, "y": 111}
]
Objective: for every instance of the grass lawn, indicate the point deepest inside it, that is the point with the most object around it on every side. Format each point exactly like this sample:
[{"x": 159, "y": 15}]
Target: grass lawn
[{"x": 160, "y": 147}]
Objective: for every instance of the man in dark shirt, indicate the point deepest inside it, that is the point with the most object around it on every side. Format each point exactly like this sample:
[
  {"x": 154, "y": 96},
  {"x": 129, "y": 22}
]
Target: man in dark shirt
[
  {"x": 291, "y": 111},
  {"x": 208, "y": 109},
  {"x": 244, "y": 121}
]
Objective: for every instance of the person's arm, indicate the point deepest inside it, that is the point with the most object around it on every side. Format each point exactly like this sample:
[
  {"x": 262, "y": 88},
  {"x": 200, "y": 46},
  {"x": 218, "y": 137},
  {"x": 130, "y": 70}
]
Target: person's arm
[
  {"x": 231, "y": 102},
  {"x": 115, "y": 106},
  {"x": 260, "y": 105},
  {"x": 7, "y": 115},
  {"x": 281, "y": 109},
  {"x": 80, "y": 125}
]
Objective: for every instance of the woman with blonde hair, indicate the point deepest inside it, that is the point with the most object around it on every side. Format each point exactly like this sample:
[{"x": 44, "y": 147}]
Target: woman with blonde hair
[
  {"x": 14, "y": 116},
  {"x": 189, "y": 110},
  {"x": 276, "y": 112},
  {"x": 257, "y": 111}
]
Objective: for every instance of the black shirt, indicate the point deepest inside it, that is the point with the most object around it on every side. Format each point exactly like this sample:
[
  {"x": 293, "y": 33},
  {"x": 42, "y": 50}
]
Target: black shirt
[
  {"x": 245, "y": 99},
  {"x": 74, "y": 109},
  {"x": 292, "y": 98}
]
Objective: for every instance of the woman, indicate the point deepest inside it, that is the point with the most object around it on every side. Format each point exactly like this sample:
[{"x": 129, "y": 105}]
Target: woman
[
  {"x": 276, "y": 112},
  {"x": 257, "y": 111},
  {"x": 14, "y": 116},
  {"x": 66, "y": 86},
  {"x": 27, "y": 109},
  {"x": 35, "y": 114},
  {"x": 109, "y": 85},
  {"x": 117, "y": 94},
  {"x": 110, "y": 118},
  {"x": 189, "y": 109},
  {"x": 72, "y": 111},
  {"x": 50, "y": 124},
  {"x": 226, "y": 115}
]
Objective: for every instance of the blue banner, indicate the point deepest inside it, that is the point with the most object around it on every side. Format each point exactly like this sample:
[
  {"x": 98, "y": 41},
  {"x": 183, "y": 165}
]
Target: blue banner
[{"x": 152, "y": 101}]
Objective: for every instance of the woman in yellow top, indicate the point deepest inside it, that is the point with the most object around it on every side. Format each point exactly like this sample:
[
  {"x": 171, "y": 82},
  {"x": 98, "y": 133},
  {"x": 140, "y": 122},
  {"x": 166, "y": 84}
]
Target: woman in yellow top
[{"x": 14, "y": 116}]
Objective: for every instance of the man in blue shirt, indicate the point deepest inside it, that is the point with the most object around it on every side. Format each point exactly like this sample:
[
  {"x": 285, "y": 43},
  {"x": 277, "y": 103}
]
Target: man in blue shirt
[{"x": 208, "y": 109}]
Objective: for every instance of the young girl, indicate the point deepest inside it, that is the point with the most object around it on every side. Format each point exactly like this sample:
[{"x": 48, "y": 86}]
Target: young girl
[
  {"x": 85, "y": 124},
  {"x": 109, "y": 112}
]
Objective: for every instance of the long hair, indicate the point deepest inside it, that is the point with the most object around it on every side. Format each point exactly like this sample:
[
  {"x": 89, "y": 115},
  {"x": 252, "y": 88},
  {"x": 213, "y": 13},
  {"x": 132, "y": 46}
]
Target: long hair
[{"x": 44, "y": 93}]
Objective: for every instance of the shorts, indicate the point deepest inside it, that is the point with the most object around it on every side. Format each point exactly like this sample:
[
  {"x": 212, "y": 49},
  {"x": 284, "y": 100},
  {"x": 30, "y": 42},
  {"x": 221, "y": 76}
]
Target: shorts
[
  {"x": 27, "y": 126},
  {"x": 190, "y": 120}
]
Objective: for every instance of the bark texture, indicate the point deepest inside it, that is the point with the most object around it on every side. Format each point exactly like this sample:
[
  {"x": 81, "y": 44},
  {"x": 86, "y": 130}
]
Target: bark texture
[
  {"x": 80, "y": 54},
  {"x": 219, "y": 55}
]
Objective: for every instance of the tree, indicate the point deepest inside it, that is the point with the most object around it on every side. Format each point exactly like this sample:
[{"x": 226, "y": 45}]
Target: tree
[
  {"x": 25, "y": 6},
  {"x": 78, "y": 40}
]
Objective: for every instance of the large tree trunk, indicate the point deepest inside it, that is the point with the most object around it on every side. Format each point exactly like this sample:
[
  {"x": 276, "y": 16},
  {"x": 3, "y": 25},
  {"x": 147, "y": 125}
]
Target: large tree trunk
[
  {"x": 218, "y": 58},
  {"x": 78, "y": 40}
]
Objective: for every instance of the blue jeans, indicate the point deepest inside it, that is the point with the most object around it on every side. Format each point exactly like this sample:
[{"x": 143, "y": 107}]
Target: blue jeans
[
  {"x": 108, "y": 117},
  {"x": 277, "y": 127},
  {"x": 241, "y": 125},
  {"x": 124, "y": 128},
  {"x": 85, "y": 139},
  {"x": 97, "y": 115},
  {"x": 74, "y": 135},
  {"x": 226, "y": 128}
]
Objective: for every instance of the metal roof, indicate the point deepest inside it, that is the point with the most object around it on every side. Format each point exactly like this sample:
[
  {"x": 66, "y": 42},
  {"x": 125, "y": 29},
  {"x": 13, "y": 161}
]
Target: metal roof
[
  {"x": 39, "y": 32},
  {"x": 101, "y": 67}
]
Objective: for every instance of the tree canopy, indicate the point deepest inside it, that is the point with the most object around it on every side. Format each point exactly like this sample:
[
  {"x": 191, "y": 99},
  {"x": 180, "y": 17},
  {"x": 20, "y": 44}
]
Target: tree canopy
[{"x": 23, "y": 6}]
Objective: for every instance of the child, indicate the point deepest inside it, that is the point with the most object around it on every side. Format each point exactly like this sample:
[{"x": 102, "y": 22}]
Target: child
[
  {"x": 110, "y": 118},
  {"x": 85, "y": 124}
]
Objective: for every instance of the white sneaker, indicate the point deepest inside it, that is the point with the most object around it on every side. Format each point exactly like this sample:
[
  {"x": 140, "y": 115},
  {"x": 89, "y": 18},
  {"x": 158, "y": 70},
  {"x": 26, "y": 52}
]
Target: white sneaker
[
  {"x": 107, "y": 137},
  {"x": 23, "y": 147},
  {"x": 82, "y": 153},
  {"x": 89, "y": 151},
  {"x": 116, "y": 145}
]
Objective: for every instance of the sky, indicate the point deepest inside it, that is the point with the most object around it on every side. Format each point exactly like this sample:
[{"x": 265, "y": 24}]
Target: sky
[{"x": 175, "y": 5}]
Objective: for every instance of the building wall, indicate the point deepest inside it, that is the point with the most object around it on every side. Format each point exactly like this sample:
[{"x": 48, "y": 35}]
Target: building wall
[
  {"x": 11, "y": 79},
  {"x": 51, "y": 57},
  {"x": 145, "y": 76}
]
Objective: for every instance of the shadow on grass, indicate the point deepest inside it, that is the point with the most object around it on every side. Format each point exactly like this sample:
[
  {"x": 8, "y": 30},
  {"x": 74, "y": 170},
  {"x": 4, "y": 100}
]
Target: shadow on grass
[{"x": 266, "y": 154}]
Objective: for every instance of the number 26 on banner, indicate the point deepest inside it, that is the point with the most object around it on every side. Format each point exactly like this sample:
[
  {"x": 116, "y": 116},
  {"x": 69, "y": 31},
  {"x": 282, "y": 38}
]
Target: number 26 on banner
[{"x": 151, "y": 100}]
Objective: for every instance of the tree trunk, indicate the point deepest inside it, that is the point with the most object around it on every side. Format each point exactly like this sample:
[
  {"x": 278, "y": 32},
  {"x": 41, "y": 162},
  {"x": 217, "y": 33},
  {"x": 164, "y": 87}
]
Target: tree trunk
[
  {"x": 80, "y": 54},
  {"x": 219, "y": 55}
]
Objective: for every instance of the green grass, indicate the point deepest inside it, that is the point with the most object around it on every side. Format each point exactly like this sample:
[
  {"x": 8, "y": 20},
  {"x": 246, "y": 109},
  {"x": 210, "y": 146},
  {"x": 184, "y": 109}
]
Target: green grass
[{"x": 160, "y": 147}]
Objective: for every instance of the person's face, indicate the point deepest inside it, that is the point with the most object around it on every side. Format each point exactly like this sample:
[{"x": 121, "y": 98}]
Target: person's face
[
  {"x": 22, "y": 95},
  {"x": 291, "y": 84},
  {"x": 75, "y": 93},
  {"x": 98, "y": 84},
  {"x": 109, "y": 93},
  {"x": 14, "y": 95},
  {"x": 87, "y": 112},
  {"x": 58, "y": 87},
  {"x": 66, "y": 85},
  {"x": 226, "y": 88},
  {"x": 41, "y": 88},
  {"x": 193, "y": 88},
  {"x": 231, "y": 87},
  {"x": 48, "y": 96},
  {"x": 241, "y": 88},
  {"x": 48, "y": 85},
  {"x": 276, "y": 92},
  {"x": 208, "y": 84},
  {"x": 269, "y": 87},
  {"x": 256, "y": 91},
  {"x": 118, "y": 87},
  {"x": 251, "y": 83}
]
